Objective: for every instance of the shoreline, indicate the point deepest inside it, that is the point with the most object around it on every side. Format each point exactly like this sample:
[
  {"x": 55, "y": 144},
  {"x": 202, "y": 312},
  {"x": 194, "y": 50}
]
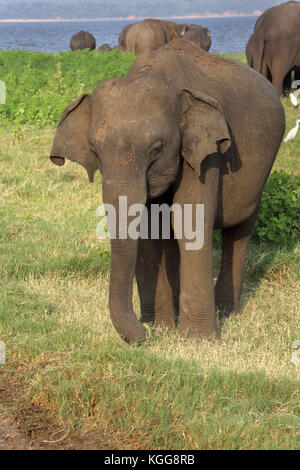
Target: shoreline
[{"x": 129, "y": 18}]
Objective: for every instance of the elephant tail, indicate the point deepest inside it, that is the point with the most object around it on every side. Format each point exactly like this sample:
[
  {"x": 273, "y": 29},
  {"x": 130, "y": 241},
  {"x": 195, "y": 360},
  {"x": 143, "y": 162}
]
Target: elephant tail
[{"x": 259, "y": 53}]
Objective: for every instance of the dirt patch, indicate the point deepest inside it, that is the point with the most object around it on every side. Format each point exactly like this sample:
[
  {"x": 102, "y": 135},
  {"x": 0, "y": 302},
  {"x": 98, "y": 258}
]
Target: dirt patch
[
  {"x": 11, "y": 439},
  {"x": 26, "y": 426}
]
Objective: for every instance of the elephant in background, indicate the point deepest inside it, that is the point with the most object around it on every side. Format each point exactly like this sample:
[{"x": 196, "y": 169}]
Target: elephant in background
[
  {"x": 119, "y": 48},
  {"x": 198, "y": 35},
  {"x": 122, "y": 36},
  {"x": 182, "y": 127},
  {"x": 82, "y": 40},
  {"x": 274, "y": 47},
  {"x": 105, "y": 48},
  {"x": 150, "y": 35}
]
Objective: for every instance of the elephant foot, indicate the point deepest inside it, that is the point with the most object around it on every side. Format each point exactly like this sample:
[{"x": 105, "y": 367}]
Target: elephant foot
[
  {"x": 199, "y": 333},
  {"x": 166, "y": 321},
  {"x": 147, "y": 317},
  {"x": 160, "y": 318},
  {"x": 227, "y": 307}
]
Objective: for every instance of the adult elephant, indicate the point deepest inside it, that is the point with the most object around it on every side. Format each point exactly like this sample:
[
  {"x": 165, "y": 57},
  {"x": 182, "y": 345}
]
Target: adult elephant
[
  {"x": 83, "y": 40},
  {"x": 180, "y": 127},
  {"x": 122, "y": 36},
  {"x": 150, "y": 35},
  {"x": 198, "y": 35},
  {"x": 274, "y": 47}
]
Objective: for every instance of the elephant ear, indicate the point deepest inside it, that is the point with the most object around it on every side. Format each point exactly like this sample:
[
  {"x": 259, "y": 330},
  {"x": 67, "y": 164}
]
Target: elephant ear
[
  {"x": 204, "y": 129},
  {"x": 71, "y": 139},
  {"x": 71, "y": 107}
]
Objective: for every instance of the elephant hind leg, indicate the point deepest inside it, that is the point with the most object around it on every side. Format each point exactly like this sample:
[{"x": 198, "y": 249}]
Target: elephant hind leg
[
  {"x": 279, "y": 74},
  {"x": 157, "y": 275},
  {"x": 167, "y": 292},
  {"x": 228, "y": 288},
  {"x": 287, "y": 83},
  {"x": 147, "y": 272},
  {"x": 266, "y": 71}
]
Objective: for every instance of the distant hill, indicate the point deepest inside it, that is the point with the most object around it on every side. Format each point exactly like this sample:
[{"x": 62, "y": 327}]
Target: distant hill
[{"x": 51, "y": 9}]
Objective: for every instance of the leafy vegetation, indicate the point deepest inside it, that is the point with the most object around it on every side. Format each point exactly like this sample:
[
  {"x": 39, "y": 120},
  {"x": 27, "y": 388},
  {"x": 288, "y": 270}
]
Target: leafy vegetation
[
  {"x": 238, "y": 393},
  {"x": 40, "y": 86},
  {"x": 279, "y": 216}
]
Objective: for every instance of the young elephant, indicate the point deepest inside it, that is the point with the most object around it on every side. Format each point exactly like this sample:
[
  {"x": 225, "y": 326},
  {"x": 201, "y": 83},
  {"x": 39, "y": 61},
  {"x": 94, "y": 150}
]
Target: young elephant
[
  {"x": 82, "y": 40},
  {"x": 186, "y": 127},
  {"x": 198, "y": 35}
]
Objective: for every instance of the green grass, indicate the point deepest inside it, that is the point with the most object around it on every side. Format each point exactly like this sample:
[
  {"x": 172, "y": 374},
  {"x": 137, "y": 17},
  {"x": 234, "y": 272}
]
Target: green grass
[{"x": 241, "y": 392}]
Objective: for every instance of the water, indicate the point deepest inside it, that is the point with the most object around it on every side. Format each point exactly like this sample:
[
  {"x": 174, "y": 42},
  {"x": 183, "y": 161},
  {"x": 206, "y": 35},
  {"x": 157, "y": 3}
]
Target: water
[{"x": 228, "y": 34}]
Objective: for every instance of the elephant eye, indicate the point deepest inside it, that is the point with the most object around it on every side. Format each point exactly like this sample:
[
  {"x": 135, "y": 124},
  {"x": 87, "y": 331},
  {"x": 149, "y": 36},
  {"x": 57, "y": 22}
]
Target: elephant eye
[{"x": 156, "y": 149}]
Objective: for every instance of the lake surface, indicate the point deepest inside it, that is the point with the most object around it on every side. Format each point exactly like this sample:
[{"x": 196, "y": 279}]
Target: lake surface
[{"x": 228, "y": 34}]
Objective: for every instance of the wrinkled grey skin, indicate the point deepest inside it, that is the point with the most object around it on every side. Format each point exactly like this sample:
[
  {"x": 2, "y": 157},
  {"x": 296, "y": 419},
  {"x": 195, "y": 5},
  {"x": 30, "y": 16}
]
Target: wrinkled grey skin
[
  {"x": 183, "y": 127},
  {"x": 198, "y": 35},
  {"x": 83, "y": 40},
  {"x": 274, "y": 48}
]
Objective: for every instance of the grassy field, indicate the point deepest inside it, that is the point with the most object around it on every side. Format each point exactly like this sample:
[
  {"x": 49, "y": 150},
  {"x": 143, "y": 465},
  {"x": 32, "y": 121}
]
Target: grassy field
[{"x": 241, "y": 392}]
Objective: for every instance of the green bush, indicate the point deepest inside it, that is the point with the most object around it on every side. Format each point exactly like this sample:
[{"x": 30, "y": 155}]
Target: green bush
[
  {"x": 40, "y": 86},
  {"x": 278, "y": 220}
]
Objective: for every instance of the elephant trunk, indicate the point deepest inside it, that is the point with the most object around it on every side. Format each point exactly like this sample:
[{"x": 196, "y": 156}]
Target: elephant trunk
[{"x": 123, "y": 260}]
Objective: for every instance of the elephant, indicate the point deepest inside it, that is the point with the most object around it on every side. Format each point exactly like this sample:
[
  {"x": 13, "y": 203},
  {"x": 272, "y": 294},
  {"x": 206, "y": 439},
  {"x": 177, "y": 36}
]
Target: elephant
[
  {"x": 187, "y": 128},
  {"x": 122, "y": 36},
  {"x": 119, "y": 48},
  {"x": 83, "y": 40},
  {"x": 198, "y": 35},
  {"x": 150, "y": 35},
  {"x": 104, "y": 48},
  {"x": 274, "y": 47}
]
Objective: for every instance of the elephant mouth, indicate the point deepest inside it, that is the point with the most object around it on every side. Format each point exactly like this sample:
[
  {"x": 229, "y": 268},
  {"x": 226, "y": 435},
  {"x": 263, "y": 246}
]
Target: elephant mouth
[
  {"x": 154, "y": 192},
  {"x": 59, "y": 161}
]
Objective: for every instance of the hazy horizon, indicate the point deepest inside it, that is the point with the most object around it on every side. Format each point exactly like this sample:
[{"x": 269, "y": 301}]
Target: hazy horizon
[{"x": 71, "y": 9}]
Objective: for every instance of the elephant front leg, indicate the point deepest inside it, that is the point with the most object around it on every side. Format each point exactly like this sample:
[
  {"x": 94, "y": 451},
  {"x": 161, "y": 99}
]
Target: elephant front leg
[
  {"x": 167, "y": 291},
  {"x": 197, "y": 317}
]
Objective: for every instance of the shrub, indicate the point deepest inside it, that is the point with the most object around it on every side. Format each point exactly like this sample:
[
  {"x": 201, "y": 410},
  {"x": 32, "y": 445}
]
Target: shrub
[
  {"x": 278, "y": 220},
  {"x": 40, "y": 86}
]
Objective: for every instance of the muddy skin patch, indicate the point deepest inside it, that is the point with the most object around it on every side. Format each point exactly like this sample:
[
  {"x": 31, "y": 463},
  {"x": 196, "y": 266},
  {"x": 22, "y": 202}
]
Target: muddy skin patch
[{"x": 146, "y": 68}]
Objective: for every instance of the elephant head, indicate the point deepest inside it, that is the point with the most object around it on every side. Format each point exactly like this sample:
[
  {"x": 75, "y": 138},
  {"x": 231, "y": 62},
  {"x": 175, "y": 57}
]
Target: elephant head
[
  {"x": 198, "y": 35},
  {"x": 138, "y": 131}
]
